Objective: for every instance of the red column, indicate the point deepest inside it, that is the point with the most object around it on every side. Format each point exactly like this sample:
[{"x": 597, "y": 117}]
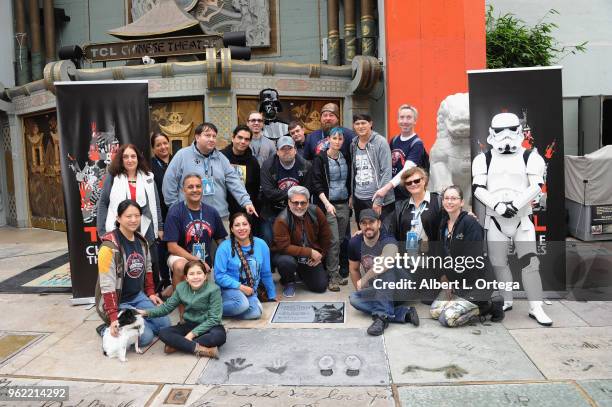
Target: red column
[{"x": 430, "y": 44}]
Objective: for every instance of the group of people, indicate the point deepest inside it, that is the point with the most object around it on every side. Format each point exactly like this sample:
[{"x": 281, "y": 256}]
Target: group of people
[{"x": 287, "y": 205}]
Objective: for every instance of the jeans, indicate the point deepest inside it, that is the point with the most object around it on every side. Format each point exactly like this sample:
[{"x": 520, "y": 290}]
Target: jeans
[
  {"x": 152, "y": 325},
  {"x": 238, "y": 305},
  {"x": 315, "y": 278},
  {"x": 174, "y": 336},
  {"x": 338, "y": 225},
  {"x": 265, "y": 230}
]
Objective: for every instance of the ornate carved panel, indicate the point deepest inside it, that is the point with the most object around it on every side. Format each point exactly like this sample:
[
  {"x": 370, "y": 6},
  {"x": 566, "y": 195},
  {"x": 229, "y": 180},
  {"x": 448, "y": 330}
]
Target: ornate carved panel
[
  {"x": 177, "y": 120},
  {"x": 304, "y": 110},
  {"x": 42, "y": 157}
]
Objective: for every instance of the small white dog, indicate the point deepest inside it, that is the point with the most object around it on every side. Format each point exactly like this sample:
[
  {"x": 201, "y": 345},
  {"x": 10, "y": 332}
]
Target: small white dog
[{"x": 131, "y": 326}]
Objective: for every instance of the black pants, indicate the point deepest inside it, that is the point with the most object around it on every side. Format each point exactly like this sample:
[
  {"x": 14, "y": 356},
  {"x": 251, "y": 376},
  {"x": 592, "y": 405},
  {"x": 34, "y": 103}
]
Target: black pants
[
  {"x": 175, "y": 336},
  {"x": 359, "y": 205},
  {"x": 315, "y": 278}
]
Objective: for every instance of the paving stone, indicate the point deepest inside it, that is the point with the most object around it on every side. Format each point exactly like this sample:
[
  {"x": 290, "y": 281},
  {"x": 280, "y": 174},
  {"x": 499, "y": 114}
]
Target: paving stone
[
  {"x": 79, "y": 355},
  {"x": 294, "y": 356},
  {"x": 433, "y": 353},
  {"x": 88, "y": 393},
  {"x": 595, "y": 313},
  {"x": 562, "y": 317},
  {"x": 486, "y": 395},
  {"x": 567, "y": 353},
  {"x": 275, "y": 396},
  {"x": 599, "y": 390}
]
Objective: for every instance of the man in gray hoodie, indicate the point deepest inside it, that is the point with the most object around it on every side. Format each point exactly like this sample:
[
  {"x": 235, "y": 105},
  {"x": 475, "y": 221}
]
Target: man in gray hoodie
[
  {"x": 218, "y": 175},
  {"x": 371, "y": 168}
]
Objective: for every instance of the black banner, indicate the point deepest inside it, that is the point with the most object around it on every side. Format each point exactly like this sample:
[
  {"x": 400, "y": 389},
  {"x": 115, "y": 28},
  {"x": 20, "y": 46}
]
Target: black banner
[
  {"x": 535, "y": 96},
  {"x": 95, "y": 118},
  {"x": 601, "y": 214}
]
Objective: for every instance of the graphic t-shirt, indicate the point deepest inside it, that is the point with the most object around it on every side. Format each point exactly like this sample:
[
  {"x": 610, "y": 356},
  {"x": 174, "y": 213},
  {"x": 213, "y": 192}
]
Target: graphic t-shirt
[
  {"x": 411, "y": 149},
  {"x": 187, "y": 227},
  {"x": 134, "y": 272},
  {"x": 364, "y": 254},
  {"x": 365, "y": 183},
  {"x": 287, "y": 178}
]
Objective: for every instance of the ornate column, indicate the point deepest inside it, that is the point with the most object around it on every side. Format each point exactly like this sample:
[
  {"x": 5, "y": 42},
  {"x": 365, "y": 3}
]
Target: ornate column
[
  {"x": 349, "y": 31},
  {"x": 49, "y": 20},
  {"x": 333, "y": 33},
  {"x": 21, "y": 44},
  {"x": 37, "y": 63},
  {"x": 219, "y": 100},
  {"x": 368, "y": 28}
]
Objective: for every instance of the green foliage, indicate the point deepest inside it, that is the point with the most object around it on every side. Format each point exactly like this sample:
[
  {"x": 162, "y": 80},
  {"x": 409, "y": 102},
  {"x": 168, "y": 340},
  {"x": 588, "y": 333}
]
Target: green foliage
[{"x": 512, "y": 44}]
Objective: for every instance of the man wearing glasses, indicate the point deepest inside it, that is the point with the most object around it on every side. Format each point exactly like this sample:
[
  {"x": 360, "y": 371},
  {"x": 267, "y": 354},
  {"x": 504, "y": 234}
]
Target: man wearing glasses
[
  {"x": 302, "y": 238},
  {"x": 262, "y": 147},
  {"x": 280, "y": 172}
]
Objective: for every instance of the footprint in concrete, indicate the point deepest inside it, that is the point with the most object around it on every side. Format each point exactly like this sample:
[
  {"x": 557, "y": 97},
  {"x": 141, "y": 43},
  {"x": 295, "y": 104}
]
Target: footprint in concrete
[
  {"x": 279, "y": 366},
  {"x": 353, "y": 364},
  {"x": 326, "y": 364}
]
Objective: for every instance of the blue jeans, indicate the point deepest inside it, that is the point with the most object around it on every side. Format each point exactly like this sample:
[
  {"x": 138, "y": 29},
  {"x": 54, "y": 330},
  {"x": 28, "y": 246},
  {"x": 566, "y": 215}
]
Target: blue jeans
[
  {"x": 152, "y": 325},
  {"x": 238, "y": 305},
  {"x": 371, "y": 302}
]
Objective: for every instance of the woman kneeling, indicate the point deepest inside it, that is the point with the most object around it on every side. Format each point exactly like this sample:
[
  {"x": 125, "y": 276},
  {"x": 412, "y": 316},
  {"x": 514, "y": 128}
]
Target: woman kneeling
[{"x": 240, "y": 264}]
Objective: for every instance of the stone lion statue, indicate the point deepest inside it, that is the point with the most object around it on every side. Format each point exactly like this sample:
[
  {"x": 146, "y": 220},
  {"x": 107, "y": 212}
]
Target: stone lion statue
[{"x": 450, "y": 161}]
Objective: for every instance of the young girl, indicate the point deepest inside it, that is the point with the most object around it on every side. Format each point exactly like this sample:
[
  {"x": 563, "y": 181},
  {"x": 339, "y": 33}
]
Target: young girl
[{"x": 202, "y": 331}]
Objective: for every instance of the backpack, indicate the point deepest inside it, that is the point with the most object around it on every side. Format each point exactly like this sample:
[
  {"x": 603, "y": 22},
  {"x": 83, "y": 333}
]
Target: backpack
[
  {"x": 310, "y": 212},
  {"x": 424, "y": 157}
]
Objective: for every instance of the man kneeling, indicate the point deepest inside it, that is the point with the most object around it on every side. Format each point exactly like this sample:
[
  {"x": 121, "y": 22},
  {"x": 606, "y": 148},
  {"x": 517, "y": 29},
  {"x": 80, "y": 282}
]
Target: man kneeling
[{"x": 363, "y": 249}]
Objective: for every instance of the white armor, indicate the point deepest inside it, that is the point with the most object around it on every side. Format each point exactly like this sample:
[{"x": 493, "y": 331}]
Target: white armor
[{"x": 506, "y": 186}]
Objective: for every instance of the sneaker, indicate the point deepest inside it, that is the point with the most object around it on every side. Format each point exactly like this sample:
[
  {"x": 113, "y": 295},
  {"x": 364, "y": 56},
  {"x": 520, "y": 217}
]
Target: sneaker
[
  {"x": 343, "y": 281},
  {"x": 412, "y": 316},
  {"x": 378, "y": 326},
  {"x": 333, "y": 286},
  {"x": 289, "y": 290},
  {"x": 100, "y": 329}
]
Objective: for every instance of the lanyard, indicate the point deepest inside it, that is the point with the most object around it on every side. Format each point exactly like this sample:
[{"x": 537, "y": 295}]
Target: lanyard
[
  {"x": 207, "y": 166},
  {"x": 191, "y": 216},
  {"x": 417, "y": 212}
]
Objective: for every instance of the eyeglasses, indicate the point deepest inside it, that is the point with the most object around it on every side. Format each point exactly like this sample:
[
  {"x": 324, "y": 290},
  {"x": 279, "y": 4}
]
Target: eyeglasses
[
  {"x": 299, "y": 203},
  {"x": 256, "y": 120},
  {"x": 452, "y": 198},
  {"x": 414, "y": 181}
]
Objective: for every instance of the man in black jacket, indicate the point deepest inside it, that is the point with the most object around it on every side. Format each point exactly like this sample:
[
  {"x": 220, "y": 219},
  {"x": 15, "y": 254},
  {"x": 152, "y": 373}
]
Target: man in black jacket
[
  {"x": 280, "y": 172},
  {"x": 241, "y": 157}
]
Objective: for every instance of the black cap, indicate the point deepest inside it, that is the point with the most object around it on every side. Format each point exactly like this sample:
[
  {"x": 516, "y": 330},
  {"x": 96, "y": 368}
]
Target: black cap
[{"x": 368, "y": 214}]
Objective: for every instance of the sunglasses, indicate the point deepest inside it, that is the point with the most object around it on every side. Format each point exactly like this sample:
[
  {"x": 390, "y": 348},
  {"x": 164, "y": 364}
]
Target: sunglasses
[
  {"x": 414, "y": 181},
  {"x": 299, "y": 203}
]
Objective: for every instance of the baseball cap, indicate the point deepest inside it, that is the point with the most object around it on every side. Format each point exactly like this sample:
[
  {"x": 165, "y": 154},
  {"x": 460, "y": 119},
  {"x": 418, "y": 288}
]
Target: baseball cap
[
  {"x": 368, "y": 214},
  {"x": 285, "y": 141}
]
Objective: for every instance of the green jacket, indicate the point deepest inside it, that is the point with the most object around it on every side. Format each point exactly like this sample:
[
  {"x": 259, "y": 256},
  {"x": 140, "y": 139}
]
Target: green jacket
[{"x": 203, "y": 307}]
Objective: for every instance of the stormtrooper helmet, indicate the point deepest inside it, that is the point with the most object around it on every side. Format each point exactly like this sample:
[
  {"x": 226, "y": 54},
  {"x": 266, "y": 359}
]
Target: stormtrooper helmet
[
  {"x": 269, "y": 105},
  {"x": 505, "y": 133}
]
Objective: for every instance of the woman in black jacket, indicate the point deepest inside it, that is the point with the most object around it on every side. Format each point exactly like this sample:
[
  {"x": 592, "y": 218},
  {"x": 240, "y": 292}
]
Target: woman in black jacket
[
  {"x": 160, "y": 144},
  {"x": 331, "y": 185},
  {"x": 466, "y": 268}
]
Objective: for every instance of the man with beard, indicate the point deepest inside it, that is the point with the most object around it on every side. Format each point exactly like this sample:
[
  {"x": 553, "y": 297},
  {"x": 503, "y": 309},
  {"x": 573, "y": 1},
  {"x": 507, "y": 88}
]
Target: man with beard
[
  {"x": 364, "y": 249},
  {"x": 280, "y": 172},
  {"x": 240, "y": 156},
  {"x": 318, "y": 140},
  {"x": 302, "y": 238}
]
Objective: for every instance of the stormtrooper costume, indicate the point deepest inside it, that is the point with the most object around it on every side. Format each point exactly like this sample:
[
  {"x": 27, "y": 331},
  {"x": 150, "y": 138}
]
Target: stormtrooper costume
[
  {"x": 506, "y": 180},
  {"x": 269, "y": 106}
]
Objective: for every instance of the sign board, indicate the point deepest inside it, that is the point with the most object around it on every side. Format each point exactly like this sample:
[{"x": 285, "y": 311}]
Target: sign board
[
  {"x": 157, "y": 47},
  {"x": 309, "y": 312}
]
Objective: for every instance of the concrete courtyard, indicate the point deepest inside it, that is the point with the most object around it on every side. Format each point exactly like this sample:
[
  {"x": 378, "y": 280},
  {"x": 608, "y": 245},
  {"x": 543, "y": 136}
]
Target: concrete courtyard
[{"x": 514, "y": 363}]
